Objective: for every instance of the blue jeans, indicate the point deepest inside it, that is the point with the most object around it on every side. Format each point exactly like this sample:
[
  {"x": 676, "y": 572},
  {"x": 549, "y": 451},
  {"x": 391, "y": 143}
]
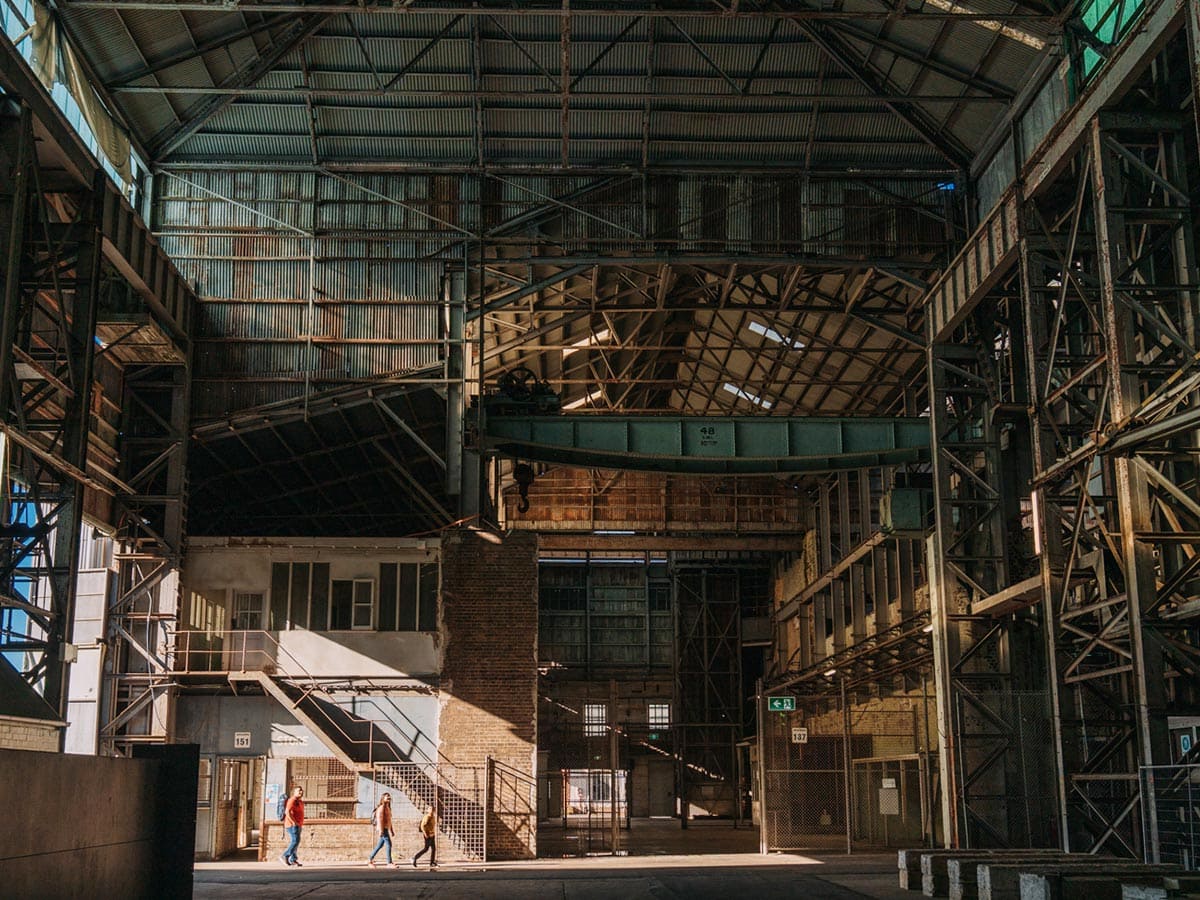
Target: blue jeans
[
  {"x": 293, "y": 832},
  {"x": 385, "y": 840}
]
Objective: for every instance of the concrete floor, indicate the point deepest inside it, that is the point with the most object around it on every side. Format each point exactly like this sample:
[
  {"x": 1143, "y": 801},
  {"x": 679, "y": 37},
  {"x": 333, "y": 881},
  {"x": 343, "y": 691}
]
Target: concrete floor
[{"x": 721, "y": 876}]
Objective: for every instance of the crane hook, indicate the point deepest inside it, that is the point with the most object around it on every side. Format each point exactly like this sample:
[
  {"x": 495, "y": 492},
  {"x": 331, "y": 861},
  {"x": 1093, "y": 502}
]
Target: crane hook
[{"x": 523, "y": 475}]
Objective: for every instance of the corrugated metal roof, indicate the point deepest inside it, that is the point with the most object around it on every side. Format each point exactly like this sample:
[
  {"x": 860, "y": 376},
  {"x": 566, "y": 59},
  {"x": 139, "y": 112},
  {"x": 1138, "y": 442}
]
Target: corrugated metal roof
[{"x": 779, "y": 55}]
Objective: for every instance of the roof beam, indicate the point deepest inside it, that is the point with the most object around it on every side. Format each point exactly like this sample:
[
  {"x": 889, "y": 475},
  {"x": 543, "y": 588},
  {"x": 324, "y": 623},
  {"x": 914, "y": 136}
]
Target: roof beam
[
  {"x": 295, "y": 35},
  {"x": 534, "y": 10},
  {"x": 191, "y": 53},
  {"x": 422, "y": 53},
  {"x": 834, "y": 46}
]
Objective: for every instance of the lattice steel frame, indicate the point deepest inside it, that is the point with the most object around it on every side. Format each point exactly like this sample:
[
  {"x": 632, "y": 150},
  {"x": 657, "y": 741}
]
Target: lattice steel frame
[
  {"x": 137, "y": 705},
  {"x": 708, "y": 679},
  {"x": 1111, "y": 283},
  {"x": 51, "y": 295},
  {"x": 981, "y": 462}
]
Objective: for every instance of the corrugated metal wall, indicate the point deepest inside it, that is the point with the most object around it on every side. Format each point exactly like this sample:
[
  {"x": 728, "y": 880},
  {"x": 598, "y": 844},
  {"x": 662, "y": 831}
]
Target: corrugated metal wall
[
  {"x": 311, "y": 280},
  {"x": 284, "y": 311}
]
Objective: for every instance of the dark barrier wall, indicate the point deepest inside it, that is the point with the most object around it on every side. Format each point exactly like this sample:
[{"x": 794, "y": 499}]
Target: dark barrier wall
[
  {"x": 175, "y": 813},
  {"x": 88, "y": 826}
]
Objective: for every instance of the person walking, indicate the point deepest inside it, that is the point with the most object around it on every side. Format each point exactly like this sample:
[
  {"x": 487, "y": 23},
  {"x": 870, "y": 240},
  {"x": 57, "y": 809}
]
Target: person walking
[
  {"x": 381, "y": 819},
  {"x": 293, "y": 822},
  {"x": 428, "y": 828}
]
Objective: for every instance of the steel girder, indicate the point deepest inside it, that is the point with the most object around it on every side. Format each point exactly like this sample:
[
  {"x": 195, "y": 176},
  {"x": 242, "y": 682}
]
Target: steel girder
[
  {"x": 51, "y": 296},
  {"x": 709, "y": 444},
  {"x": 1110, "y": 278},
  {"x": 863, "y": 596},
  {"x": 983, "y": 666}
]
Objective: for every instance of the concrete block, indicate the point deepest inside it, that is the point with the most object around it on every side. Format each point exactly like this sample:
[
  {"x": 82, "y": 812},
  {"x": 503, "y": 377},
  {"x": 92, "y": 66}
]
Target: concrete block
[
  {"x": 1041, "y": 886},
  {"x": 1001, "y": 880},
  {"x": 1167, "y": 888},
  {"x": 962, "y": 872}
]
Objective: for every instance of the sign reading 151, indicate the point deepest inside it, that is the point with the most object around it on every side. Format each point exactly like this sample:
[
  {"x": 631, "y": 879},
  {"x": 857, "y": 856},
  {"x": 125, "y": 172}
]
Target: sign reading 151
[{"x": 781, "y": 704}]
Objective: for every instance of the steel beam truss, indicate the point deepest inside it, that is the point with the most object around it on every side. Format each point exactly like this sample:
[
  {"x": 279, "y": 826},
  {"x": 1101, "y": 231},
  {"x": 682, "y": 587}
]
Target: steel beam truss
[
  {"x": 1111, "y": 284},
  {"x": 143, "y": 611},
  {"x": 981, "y": 547},
  {"x": 51, "y": 287}
]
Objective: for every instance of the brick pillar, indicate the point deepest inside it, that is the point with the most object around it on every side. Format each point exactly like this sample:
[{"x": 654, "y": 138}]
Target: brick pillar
[{"x": 489, "y": 674}]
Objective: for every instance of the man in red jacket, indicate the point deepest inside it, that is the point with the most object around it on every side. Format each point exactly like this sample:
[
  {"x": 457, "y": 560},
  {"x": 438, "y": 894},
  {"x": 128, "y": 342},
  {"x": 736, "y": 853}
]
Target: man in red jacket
[{"x": 293, "y": 821}]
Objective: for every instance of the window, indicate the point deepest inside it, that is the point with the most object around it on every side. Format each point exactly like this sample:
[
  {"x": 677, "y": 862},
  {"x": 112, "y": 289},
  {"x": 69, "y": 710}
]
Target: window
[
  {"x": 299, "y": 596},
  {"x": 658, "y": 715},
  {"x": 408, "y": 595},
  {"x": 95, "y": 550},
  {"x": 595, "y": 719},
  {"x": 746, "y": 395},
  {"x": 204, "y": 784},
  {"x": 247, "y": 612},
  {"x": 771, "y": 334},
  {"x": 330, "y": 789},
  {"x": 353, "y": 604}
]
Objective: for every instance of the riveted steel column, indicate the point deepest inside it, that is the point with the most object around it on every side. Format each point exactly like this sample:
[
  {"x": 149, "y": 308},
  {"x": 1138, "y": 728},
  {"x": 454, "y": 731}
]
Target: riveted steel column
[{"x": 80, "y": 338}]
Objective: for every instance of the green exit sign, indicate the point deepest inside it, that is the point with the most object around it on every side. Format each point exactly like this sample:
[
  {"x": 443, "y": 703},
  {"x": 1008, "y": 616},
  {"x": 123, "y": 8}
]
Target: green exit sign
[{"x": 781, "y": 704}]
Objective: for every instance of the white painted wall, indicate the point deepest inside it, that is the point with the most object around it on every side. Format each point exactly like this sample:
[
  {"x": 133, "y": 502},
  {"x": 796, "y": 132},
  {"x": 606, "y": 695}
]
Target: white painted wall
[
  {"x": 217, "y": 567},
  {"x": 87, "y": 673}
]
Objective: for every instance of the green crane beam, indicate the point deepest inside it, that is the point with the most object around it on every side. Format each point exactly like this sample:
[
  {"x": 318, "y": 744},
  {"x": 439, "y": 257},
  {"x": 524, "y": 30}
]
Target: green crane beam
[{"x": 728, "y": 445}]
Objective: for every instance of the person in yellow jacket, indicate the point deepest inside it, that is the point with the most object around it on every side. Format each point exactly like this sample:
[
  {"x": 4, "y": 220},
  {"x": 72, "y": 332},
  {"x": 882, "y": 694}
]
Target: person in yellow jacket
[{"x": 428, "y": 828}]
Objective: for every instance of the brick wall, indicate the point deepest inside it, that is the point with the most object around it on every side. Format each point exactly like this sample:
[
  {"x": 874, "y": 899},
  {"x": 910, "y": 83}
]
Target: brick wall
[
  {"x": 489, "y": 669},
  {"x": 24, "y": 734},
  {"x": 576, "y": 499},
  {"x": 351, "y": 840}
]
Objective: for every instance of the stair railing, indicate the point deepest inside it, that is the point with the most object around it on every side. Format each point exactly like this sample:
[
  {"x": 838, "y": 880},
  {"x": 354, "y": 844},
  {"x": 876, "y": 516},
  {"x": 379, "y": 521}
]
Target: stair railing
[{"x": 268, "y": 656}]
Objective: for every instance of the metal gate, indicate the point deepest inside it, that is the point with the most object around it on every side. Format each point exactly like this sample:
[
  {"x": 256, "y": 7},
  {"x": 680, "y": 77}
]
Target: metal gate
[
  {"x": 803, "y": 789},
  {"x": 846, "y": 771},
  {"x": 592, "y": 808},
  {"x": 889, "y": 801}
]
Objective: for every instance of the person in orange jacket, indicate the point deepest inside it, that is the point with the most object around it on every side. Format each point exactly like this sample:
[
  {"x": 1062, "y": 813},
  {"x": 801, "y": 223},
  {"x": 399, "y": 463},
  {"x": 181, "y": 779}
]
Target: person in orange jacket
[{"x": 428, "y": 828}]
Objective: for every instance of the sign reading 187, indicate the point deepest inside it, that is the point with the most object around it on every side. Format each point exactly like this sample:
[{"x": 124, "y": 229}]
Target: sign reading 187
[{"x": 781, "y": 704}]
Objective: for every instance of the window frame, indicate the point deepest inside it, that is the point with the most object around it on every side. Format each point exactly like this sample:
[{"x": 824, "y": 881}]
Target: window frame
[
  {"x": 354, "y": 604},
  {"x": 658, "y": 721},
  {"x": 235, "y": 611},
  {"x": 595, "y": 719}
]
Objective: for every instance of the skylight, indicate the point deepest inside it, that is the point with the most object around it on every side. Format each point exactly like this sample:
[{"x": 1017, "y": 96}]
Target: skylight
[
  {"x": 746, "y": 395},
  {"x": 772, "y": 335},
  {"x": 590, "y": 341}
]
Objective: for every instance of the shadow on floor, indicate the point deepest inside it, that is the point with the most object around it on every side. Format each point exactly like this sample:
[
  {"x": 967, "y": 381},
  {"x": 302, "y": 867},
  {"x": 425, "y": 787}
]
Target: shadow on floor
[{"x": 647, "y": 837}]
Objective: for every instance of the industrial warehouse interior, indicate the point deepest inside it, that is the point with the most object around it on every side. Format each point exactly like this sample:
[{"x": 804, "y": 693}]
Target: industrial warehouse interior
[{"x": 668, "y": 448}]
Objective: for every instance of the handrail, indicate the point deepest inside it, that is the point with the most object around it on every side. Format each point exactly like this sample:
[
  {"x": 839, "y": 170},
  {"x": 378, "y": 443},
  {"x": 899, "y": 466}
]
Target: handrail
[
  {"x": 512, "y": 770},
  {"x": 312, "y": 683},
  {"x": 299, "y": 674}
]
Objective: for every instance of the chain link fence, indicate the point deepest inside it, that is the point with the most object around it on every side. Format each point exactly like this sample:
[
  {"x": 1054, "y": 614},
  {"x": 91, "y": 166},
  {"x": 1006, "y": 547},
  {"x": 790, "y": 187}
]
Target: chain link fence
[
  {"x": 1174, "y": 793},
  {"x": 836, "y": 778}
]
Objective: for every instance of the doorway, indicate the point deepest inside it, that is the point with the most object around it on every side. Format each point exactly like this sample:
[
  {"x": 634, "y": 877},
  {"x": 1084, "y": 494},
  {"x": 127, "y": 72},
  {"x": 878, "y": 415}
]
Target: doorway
[{"x": 237, "y": 812}]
